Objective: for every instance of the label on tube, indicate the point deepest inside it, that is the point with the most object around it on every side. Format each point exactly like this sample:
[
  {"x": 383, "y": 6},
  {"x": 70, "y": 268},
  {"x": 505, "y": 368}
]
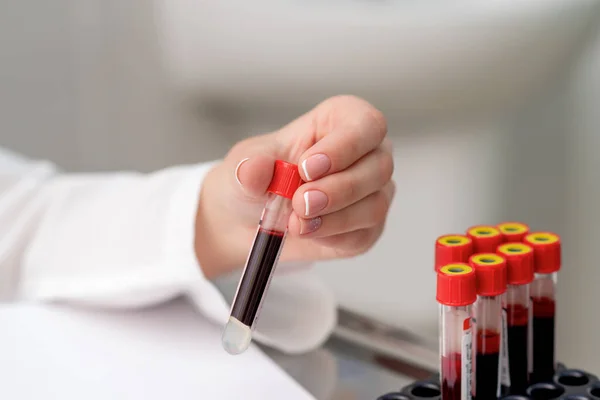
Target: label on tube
[
  {"x": 504, "y": 370},
  {"x": 467, "y": 360},
  {"x": 530, "y": 338}
]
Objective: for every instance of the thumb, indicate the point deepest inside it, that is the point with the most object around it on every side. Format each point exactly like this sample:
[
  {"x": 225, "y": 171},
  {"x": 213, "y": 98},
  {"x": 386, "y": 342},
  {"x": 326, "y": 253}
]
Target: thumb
[{"x": 254, "y": 174}]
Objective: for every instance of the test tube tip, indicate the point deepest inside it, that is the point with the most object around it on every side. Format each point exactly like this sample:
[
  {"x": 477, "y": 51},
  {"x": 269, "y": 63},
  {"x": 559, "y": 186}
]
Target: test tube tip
[{"x": 236, "y": 337}]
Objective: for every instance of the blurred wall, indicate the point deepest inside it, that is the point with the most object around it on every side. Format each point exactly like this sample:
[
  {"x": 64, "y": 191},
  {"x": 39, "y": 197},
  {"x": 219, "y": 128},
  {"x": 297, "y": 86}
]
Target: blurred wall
[
  {"x": 82, "y": 84},
  {"x": 579, "y": 321}
]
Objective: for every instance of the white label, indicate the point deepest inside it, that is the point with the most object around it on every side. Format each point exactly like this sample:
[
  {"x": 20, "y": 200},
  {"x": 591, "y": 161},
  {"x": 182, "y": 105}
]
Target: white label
[
  {"x": 467, "y": 360},
  {"x": 530, "y": 338},
  {"x": 504, "y": 370},
  {"x": 474, "y": 351}
]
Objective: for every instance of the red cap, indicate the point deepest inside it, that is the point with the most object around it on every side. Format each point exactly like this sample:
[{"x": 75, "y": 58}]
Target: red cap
[
  {"x": 456, "y": 285},
  {"x": 513, "y": 231},
  {"x": 519, "y": 262},
  {"x": 452, "y": 249},
  {"x": 286, "y": 179},
  {"x": 490, "y": 273},
  {"x": 546, "y": 251},
  {"x": 486, "y": 238}
]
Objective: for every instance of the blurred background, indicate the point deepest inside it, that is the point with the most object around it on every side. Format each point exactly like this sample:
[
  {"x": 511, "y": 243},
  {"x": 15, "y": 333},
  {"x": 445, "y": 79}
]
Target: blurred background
[{"x": 492, "y": 105}]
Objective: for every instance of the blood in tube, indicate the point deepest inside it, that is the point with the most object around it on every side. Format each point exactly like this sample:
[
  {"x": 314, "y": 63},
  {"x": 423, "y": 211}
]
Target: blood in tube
[
  {"x": 518, "y": 347},
  {"x": 453, "y": 248},
  {"x": 547, "y": 262},
  {"x": 452, "y": 380},
  {"x": 513, "y": 232},
  {"x": 543, "y": 345},
  {"x": 486, "y": 238},
  {"x": 487, "y": 362},
  {"x": 456, "y": 293},
  {"x": 519, "y": 266},
  {"x": 261, "y": 263},
  {"x": 490, "y": 273},
  {"x": 262, "y": 259}
]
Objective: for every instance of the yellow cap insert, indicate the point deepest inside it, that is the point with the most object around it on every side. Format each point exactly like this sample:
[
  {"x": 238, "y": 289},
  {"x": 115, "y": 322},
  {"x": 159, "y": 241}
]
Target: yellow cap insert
[
  {"x": 514, "y": 248},
  {"x": 487, "y": 259},
  {"x": 456, "y": 269},
  {"x": 512, "y": 227},
  {"x": 483, "y": 231},
  {"x": 542, "y": 238},
  {"x": 454, "y": 240}
]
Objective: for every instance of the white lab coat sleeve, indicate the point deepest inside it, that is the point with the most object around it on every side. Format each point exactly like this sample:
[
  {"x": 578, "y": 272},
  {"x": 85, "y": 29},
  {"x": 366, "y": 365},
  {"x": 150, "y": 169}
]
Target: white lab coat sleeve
[{"x": 125, "y": 240}]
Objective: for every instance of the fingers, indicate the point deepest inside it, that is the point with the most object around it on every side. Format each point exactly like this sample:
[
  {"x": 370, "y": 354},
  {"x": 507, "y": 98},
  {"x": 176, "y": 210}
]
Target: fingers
[
  {"x": 367, "y": 213},
  {"x": 352, "y": 127},
  {"x": 338, "y": 191},
  {"x": 387, "y": 145},
  {"x": 352, "y": 243},
  {"x": 253, "y": 176}
]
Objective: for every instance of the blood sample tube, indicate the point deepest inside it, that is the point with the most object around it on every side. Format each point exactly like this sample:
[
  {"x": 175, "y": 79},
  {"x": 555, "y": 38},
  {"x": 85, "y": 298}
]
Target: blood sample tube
[
  {"x": 262, "y": 259},
  {"x": 490, "y": 273},
  {"x": 513, "y": 232},
  {"x": 486, "y": 238},
  {"x": 547, "y": 262},
  {"x": 456, "y": 293},
  {"x": 452, "y": 249},
  {"x": 516, "y": 357}
]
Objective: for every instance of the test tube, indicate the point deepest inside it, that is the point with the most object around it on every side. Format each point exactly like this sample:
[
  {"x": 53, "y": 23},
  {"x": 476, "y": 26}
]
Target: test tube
[
  {"x": 547, "y": 262},
  {"x": 453, "y": 248},
  {"x": 486, "y": 238},
  {"x": 513, "y": 232},
  {"x": 490, "y": 273},
  {"x": 456, "y": 293},
  {"x": 517, "y": 359},
  {"x": 262, "y": 259}
]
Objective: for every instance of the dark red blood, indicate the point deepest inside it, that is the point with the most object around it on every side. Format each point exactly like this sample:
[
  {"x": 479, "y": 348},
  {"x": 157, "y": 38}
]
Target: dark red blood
[
  {"x": 518, "y": 339},
  {"x": 451, "y": 377},
  {"x": 487, "y": 362},
  {"x": 253, "y": 285},
  {"x": 543, "y": 339},
  {"x": 488, "y": 342},
  {"x": 516, "y": 314}
]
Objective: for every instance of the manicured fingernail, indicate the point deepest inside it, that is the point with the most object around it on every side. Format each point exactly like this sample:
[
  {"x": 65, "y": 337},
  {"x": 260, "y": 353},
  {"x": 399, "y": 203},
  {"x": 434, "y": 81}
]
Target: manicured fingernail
[
  {"x": 310, "y": 225},
  {"x": 314, "y": 201},
  {"x": 316, "y": 166},
  {"x": 237, "y": 170}
]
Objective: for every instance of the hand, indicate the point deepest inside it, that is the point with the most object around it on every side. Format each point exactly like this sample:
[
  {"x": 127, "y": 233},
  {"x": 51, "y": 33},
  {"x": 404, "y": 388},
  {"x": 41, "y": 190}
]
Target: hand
[{"x": 347, "y": 164}]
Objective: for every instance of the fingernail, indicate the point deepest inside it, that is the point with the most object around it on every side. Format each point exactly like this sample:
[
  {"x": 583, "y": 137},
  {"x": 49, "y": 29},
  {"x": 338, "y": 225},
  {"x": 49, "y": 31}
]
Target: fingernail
[
  {"x": 314, "y": 201},
  {"x": 237, "y": 170},
  {"x": 309, "y": 226},
  {"x": 316, "y": 166}
]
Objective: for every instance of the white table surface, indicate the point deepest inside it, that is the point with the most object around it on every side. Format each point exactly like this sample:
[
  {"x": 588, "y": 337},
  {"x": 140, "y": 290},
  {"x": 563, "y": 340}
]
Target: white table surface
[{"x": 170, "y": 352}]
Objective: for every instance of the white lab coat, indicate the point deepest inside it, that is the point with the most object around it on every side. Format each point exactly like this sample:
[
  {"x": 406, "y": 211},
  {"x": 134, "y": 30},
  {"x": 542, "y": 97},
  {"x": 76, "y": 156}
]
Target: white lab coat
[{"x": 125, "y": 240}]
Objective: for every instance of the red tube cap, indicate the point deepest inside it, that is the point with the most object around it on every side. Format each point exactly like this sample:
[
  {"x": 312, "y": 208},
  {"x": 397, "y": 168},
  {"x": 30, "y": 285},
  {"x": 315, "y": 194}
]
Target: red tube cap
[
  {"x": 452, "y": 249},
  {"x": 513, "y": 231},
  {"x": 546, "y": 251},
  {"x": 519, "y": 262},
  {"x": 456, "y": 285},
  {"x": 486, "y": 238},
  {"x": 490, "y": 273},
  {"x": 286, "y": 179}
]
